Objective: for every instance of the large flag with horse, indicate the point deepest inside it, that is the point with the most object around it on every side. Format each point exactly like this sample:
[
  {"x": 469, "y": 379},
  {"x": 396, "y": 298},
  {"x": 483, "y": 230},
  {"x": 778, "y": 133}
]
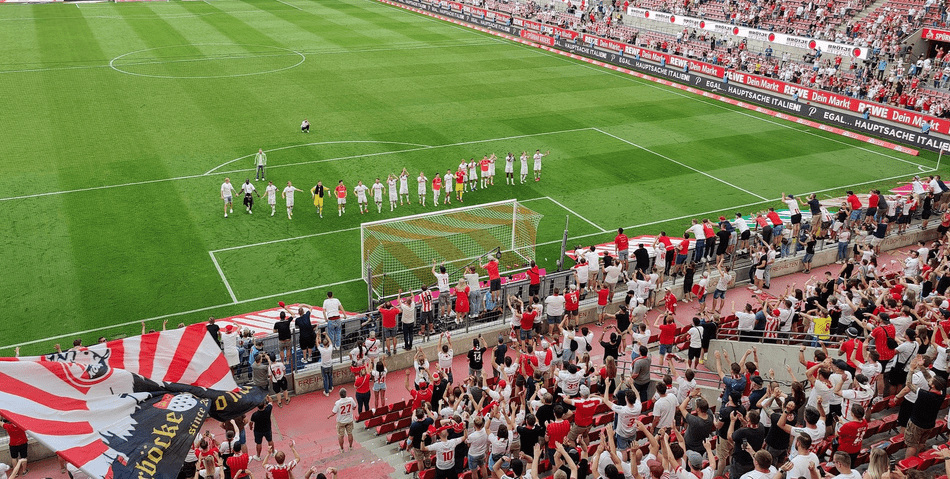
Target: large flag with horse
[{"x": 128, "y": 408}]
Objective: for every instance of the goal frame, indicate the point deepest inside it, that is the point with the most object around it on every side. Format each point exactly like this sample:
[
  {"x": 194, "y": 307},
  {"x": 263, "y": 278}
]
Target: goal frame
[{"x": 367, "y": 272}]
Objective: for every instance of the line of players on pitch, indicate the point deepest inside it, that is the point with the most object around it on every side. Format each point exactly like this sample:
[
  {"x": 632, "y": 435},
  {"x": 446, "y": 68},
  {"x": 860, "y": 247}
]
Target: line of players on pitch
[{"x": 465, "y": 178}]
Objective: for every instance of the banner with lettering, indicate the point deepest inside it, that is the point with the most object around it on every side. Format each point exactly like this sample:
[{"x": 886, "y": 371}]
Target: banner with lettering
[
  {"x": 833, "y": 48},
  {"x": 125, "y": 409}
]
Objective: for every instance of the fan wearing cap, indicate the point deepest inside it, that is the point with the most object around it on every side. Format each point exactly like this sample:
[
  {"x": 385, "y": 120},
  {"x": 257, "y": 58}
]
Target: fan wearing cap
[
  {"x": 694, "y": 462},
  {"x": 419, "y": 396},
  {"x": 229, "y": 343},
  {"x": 585, "y": 408}
]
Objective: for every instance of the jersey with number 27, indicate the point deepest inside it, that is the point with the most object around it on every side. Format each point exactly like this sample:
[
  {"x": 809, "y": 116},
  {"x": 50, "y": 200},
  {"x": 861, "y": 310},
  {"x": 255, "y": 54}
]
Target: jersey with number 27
[{"x": 344, "y": 410}]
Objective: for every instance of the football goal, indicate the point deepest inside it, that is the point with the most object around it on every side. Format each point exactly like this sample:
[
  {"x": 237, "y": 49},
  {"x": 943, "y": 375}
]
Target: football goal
[{"x": 398, "y": 253}]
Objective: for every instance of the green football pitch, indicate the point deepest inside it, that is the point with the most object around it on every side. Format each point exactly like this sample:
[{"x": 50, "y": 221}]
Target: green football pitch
[{"x": 122, "y": 121}]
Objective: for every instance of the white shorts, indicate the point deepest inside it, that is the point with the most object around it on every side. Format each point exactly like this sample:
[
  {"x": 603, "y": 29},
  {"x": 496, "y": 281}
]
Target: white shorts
[
  {"x": 272, "y": 201},
  {"x": 290, "y": 203},
  {"x": 524, "y": 168},
  {"x": 509, "y": 168},
  {"x": 403, "y": 190},
  {"x": 361, "y": 198},
  {"x": 435, "y": 193},
  {"x": 341, "y": 201},
  {"x": 484, "y": 173},
  {"x": 227, "y": 199},
  {"x": 422, "y": 191},
  {"x": 472, "y": 176},
  {"x": 378, "y": 198},
  {"x": 537, "y": 166},
  {"x": 491, "y": 169},
  {"x": 393, "y": 196},
  {"x": 760, "y": 274}
]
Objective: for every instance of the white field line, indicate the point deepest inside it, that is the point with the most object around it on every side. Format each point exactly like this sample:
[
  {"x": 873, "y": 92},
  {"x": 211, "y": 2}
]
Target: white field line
[
  {"x": 575, "y": 214},
  {"x": 681, "y": 164},
  {"x": 223, "y": 277},
  {"x": 289, "y": 5},
  {"x": 282, "y": 240}
]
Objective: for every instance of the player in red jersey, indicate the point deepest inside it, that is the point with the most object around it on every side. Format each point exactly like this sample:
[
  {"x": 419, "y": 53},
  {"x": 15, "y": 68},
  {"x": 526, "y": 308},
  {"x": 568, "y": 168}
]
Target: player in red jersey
[{"x": 340, "y": 198}]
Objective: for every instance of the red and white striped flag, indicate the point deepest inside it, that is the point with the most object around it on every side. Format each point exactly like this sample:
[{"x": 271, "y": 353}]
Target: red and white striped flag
[{"x": 126, "y": 409}]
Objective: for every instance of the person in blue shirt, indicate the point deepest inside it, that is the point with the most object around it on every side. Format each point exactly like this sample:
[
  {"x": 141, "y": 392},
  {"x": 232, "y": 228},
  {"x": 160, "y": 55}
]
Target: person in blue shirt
[{"x": 925, "y": 127}]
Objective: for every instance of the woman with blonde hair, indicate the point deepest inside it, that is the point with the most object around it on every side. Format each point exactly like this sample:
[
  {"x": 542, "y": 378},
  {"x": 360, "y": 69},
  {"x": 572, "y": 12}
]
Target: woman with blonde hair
[{"x": 879, "y": 466}]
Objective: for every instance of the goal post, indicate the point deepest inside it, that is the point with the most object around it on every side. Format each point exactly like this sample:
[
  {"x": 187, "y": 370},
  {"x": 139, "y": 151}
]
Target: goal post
[{"x": 398, "y": 253}]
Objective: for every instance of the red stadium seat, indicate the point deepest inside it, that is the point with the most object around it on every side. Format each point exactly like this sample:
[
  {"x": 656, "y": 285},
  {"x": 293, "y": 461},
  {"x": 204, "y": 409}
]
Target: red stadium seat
[
  {"x": 385, "y": 428},
  {"x": 397, "y": 436},
  {"x": 604, "y": 419}
]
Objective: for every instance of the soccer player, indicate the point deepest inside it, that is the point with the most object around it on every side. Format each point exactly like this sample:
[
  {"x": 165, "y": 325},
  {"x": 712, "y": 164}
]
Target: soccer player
[
  {"x": 393, "y": 196},
  {"x": 537, "y": 164},
  {"x": 260, "y": 161},
  {"x": 378, "y": 195},
  {"x": 248, "y": 189},
  {"x": 472, "y": 174},
  {"x": 448, "y": 180},
  {"x": 510, "y": 169},
  {"x": 340, "y": 198},
  {"x": 305, "y": 126},
  {"x": 524, "y": 166},
  {"x": 436, "y": 188},
  {"x": 484, "y": 167},
  {"x": 317, "y": 193},
  {"x": 360, "y": 191},
  {"x": 288, "y": 194},
  {"x": 423, "y": 181},
  {"x": 227, "y": 193},
  {"x": 271, "y": 192},
  {"x": 404, "y": 187},
  {"x": 491, "y": 169},
  {"x": 460, "y": 183}
]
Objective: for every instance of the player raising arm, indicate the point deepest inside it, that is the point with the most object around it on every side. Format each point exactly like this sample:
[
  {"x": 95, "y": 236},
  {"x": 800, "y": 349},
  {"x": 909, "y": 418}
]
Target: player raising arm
[
  {"x": 422, "y": 180},
  {"x": 537, "y": 163}
]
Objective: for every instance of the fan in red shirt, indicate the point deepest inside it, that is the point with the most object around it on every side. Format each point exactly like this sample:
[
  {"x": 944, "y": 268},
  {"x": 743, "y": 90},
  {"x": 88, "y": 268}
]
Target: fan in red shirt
[
  {"x": 494, "y": 279},
  {"x": 362, "y": 383},
  {"x": 527, "y": 323},
  {"x": 18, "y": 442},
  {"x": 585, "y": 408},
  {"x": 528, "y": 360},
  {"x": 572, "y": 301},
  {"x": 557, "y": 431},
  {"x": 667, "y": 332},
  {"x": 622, "y": 244},
  {"x": 851, "y": 434},
  {"x": 670, "y": 301},
  {"x": 238, "y": 462},
  {"x": 389, "y": 314},
  {"x": 534, "y": 279},
  {"x": 281, "y": 470},
  {"x": 880, "y": 335},
  {"x": 421, "y": 395}
]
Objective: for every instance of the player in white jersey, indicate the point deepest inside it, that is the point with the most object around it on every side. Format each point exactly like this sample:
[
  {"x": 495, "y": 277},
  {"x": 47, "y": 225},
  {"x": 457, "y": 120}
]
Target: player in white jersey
[
  {"x": 510, "y": 169},
  {"x": 227, "y": 195},
  {"x": 378, "y": 195},
  {"x": 271, "y": 193},
  {"x": 393, "y": 192},
  {"x": 404, "y": 187},
  {"x": 537, "y": 163},
  {"x": 491, "y": 169},
  {"x": 360, "y": 192},
  {"x": 249, "y": 191},
  {"x": 524, "y": 166},
  {"x": 288, "y": 194},
  {"x": 423, "y": 181},
  {"x": 448, "y": 183},
  {"x": 472, "y": 176}
]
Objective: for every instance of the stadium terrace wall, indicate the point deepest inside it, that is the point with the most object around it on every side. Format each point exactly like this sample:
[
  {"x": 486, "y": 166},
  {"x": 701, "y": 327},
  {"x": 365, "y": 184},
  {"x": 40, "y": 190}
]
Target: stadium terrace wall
[{"x": 818, "y": 105}]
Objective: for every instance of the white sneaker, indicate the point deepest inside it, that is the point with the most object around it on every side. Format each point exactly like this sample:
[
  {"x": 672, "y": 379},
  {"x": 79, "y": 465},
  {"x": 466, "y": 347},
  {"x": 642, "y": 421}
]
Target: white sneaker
[
  {"x": 232, "y": 211},
  {"x": 225, "y": 215},
  {"x": 272, "y": 213}
]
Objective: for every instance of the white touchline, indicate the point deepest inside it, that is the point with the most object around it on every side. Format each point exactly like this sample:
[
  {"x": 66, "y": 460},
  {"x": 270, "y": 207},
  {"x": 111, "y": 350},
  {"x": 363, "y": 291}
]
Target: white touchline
[
  {"x": 681, "y": 164},
  {"x": 223, "y": 277},
  {"x": 576, "y": 214}
]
